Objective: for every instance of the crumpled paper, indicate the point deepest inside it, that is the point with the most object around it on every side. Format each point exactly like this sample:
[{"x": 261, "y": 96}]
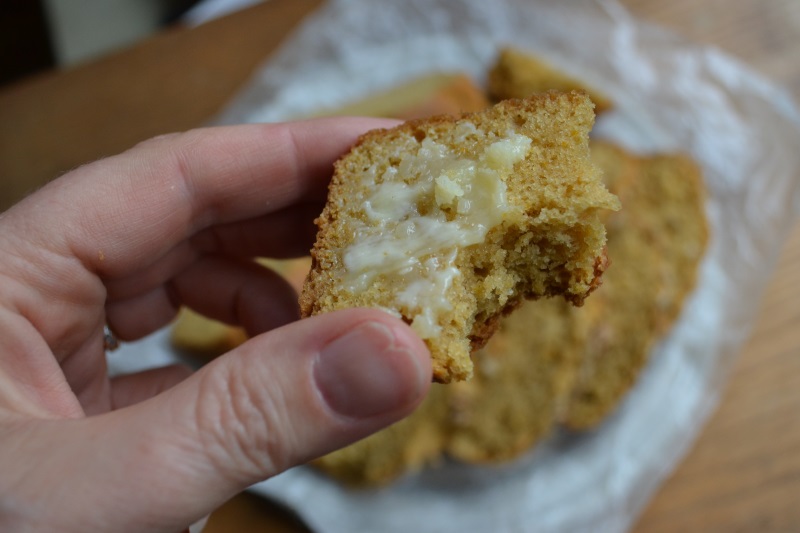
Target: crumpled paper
[{"x": 670, "y": 96}]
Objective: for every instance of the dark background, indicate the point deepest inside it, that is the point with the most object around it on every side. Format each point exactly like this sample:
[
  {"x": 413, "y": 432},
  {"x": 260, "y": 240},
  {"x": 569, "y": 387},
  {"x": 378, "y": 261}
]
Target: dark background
[{"x": 26, "y": 38}]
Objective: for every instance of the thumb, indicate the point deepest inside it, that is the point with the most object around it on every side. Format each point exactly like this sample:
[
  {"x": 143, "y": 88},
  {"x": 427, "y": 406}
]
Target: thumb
[{"x": 279, "y": 400}]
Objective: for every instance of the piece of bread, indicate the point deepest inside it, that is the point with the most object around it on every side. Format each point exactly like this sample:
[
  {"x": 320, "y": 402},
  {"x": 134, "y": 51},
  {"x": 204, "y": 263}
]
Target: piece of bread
[
  {"x": 449, "y": 223},
  {"x": 522, "y": 382},
  {"x": 425, "y": 96},
  {"x": 202, "y": 338},
  {"x": 619, "y": 166},
  {"x": 680, "y": 229},
  {"x": 656, "y": 243},
  {"x": 517, "y": 74}
]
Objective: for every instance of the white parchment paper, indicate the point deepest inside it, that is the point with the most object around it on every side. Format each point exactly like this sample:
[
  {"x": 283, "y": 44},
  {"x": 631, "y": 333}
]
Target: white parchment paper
[{"x": 671, "y": 95}]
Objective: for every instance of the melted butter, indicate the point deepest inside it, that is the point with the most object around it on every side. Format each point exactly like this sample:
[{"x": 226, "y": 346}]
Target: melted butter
[
  {"x": 431, "y": 289},
  {"x": 413, "y": 230}
]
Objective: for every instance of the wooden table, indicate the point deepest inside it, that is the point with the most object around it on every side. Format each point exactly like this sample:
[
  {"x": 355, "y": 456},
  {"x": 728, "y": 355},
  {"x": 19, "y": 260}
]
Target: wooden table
[{"x": 744, "y": 471}]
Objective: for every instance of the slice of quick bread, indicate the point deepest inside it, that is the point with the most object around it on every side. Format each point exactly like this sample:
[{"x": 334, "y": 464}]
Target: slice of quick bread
[
  {"x": 450, "y": 222},
  {"x": 523, "y": 379},
  {"x": 518, "y": 74},
  {"x": 656, "y": 242},
  {"x": 429, "y": 95}
]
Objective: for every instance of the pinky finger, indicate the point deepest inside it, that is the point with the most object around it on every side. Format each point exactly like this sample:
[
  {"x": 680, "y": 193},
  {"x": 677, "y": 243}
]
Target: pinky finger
[
  {"x": 239, "y": 292},
  {"x": 231, "y": 290}
]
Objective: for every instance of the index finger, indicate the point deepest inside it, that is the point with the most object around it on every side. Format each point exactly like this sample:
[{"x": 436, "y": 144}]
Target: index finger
[{"x": 117, "y": 214}]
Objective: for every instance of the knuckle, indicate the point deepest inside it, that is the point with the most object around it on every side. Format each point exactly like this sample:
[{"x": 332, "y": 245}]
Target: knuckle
[
  {"x": 158, "y": 139},
  {"x": 242, "y": 424}
]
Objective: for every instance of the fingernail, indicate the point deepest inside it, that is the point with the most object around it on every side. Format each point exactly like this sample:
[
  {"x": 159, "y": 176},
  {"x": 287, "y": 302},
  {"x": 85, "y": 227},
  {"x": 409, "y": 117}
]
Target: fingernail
[{"x": 366, "y": 372}]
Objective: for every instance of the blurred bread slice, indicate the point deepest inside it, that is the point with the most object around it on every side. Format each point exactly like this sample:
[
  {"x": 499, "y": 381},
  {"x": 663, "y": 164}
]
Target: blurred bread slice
[
  {"x": 620, "y": 167},
  {"x": 523, "y": 378},
  {"x": 203, "y": 338},
  {"x": 518, "y": 74},
  {"x": 426, "y": 96},
  {"x": 656, "y": 243}
]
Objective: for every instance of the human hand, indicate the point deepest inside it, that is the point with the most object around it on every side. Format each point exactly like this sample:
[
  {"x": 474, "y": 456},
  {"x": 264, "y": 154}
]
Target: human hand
[{"x": 126, "y": 241}]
